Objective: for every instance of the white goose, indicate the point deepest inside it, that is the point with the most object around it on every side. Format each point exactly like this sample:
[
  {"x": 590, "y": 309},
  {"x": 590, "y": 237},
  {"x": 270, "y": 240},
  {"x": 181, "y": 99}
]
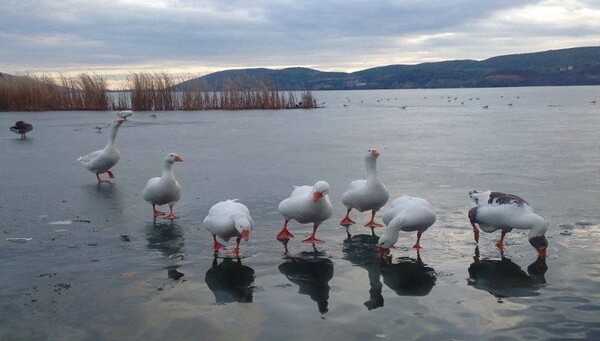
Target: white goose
[
  {"x": 227, "y": 219},
  {"x": 101, "y": 161},
  {"x": 164, "y": 189},
  {"x": 306, "y": 204},
  {"x": 499, "y": 211},
  {"x": 407, "y": 214},
  {"x": 363, "y": 195}
]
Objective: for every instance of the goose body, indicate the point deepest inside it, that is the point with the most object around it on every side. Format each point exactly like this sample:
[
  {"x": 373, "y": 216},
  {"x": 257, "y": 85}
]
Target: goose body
[
  {"x": 101, "y": 161},
  {"x": 228, "y": 219},
  {"x": 408, "y": 214},
  {"x": 366, "y": 194},
  {"x": 164, "y": 189},
  {"x": 493, "y": 211},
  {"x": 306, "y": 204},
  {"x": 21, "y": 128}
]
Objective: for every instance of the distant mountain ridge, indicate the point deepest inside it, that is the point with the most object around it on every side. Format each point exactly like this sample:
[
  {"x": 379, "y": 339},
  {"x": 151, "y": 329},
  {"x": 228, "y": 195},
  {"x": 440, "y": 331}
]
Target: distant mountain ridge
[{"x": 572, "y": 66}]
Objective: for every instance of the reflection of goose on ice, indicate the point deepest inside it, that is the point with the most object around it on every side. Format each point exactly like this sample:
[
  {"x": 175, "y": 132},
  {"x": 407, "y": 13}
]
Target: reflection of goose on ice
[
  {"x": 230, "y": 281},
  {"x": 409, "y": 276},
  {"x": 311, "y": 273},
  {"x": 169, "y": 240},
  {"x": 503, "y": 278},
  {"x": 166, "y": 238},
  {"x": 361, "y": 250}
]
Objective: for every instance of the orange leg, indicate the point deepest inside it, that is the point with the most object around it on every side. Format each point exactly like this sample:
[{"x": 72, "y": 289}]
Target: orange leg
[
  {"x": 417, "y": 246},
  {"x": 110, "y": 174},
  {"x": 285, "y": 234},
  {"x": 347, "y": 222},
  {"x": 312, "y": 238},
  {"x": 100, "y": 181},
  {"x": 500, "y": 243},
  {"x": 156, "y": 212},
  {"x": 475, "y": 232},
  {"x": 216, "y": 245},
  {"x": 236, "y": 251},
  {"x": 372, "y": 223},
  {"x": 171, "y": 215}
]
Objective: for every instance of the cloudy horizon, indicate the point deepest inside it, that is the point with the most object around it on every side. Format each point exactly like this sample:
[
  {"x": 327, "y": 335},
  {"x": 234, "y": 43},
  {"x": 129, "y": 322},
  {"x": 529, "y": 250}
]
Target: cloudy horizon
[{"x": 200, "y": 37}]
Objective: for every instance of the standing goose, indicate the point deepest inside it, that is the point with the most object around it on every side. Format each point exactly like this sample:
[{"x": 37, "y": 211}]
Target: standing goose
[
  {"x": 101, "y": 161},
  {"x": 227, "y": 219},
  {"x": 164, "y": 189},
  {"x": 499, "y": 211},
  {"x": 408, "y": 214},
  {"x": 363, "y": 195},
  {"x": 22, "y": 128},
  {"x": 306, "y": 204}
]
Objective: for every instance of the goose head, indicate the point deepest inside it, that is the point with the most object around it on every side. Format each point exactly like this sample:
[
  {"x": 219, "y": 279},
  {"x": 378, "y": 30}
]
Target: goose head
[
  {"x": 387, "y": 240},
  {"x": 372, "y": 154},
  {"x": 242, "y": 225},
  {"x": 537, "y": 238},
  {"x": 124, "y": 114},
  {"x": 172, "y": 158},
  {"x": 320, "y": 189}
]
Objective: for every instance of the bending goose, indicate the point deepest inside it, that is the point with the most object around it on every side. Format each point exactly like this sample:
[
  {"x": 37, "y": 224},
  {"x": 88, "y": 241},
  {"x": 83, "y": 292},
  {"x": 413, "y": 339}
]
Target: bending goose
[
  {"x": 22, "y": 128},
  {"x": 306, "y": 204},
  {"x": 101, "y": 161},
  {"x": 500, "y": 211},
  {"x": 363, "y": 195},
  {"x": 407, "y": 214},
  {"x": 164, "y": 189},
  {"x": 227, "y": 219}
]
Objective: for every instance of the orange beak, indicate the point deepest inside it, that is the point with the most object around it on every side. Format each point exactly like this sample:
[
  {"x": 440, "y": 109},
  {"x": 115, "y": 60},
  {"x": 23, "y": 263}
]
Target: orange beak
[
  {"x": 374, "y": 152},
  {"x": 246, "y": 234},
  {"x": 542, "y": 252},
  {"x": 317, "y": 196},
  {"x": 382, "y": 251},
  {"x": 120, "y": 120},
  {"x": 178, "y": 158}
]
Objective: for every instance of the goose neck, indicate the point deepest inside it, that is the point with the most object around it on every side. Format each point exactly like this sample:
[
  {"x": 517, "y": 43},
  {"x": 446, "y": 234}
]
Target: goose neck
[
  {"x": 112, "y": 136},
  {"x": 371, "y": 166},
  {"x": 167, "y": 169}
]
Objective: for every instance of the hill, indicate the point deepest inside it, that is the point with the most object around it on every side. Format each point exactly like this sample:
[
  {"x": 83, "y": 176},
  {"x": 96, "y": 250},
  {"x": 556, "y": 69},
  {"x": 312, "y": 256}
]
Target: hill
[{"x": 573, "y": 66}]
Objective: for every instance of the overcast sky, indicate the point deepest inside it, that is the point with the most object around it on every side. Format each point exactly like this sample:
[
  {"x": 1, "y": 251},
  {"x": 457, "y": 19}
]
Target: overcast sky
[{"x": 199, "y": 37}]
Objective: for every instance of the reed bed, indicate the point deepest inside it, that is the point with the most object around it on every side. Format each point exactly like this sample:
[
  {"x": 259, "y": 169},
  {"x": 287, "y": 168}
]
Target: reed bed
[{"x": 143, "y": 92}]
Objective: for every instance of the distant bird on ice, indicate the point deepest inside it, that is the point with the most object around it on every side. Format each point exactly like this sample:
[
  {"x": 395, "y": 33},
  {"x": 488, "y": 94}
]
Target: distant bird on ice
[{"x": 22, "y": 128}]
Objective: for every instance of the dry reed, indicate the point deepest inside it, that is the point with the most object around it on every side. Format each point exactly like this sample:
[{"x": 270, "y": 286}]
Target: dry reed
[{"x": 145, "y": 92}]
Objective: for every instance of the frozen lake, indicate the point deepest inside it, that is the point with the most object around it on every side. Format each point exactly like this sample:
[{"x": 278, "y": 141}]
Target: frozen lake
[{"x": 98, "y": 267}]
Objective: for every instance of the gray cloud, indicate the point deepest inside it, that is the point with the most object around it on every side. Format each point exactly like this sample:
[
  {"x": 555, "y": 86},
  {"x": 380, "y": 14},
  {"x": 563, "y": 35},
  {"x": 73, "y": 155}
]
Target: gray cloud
[{"x": 330, "y": 35}]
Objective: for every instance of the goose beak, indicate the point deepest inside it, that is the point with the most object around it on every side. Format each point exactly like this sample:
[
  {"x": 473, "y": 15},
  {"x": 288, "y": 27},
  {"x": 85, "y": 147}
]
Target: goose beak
[
  {"x": 246, "y": 234},
  {"x": 120, "y": 121},
  {"x": 317, "y": 196},
  {"x": 374, "y": 152},
  {"x": 178, "y": 158}
]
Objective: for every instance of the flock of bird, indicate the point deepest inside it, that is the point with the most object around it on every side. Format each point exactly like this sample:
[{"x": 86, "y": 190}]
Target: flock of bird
[{"x": 490, "y": 211}]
